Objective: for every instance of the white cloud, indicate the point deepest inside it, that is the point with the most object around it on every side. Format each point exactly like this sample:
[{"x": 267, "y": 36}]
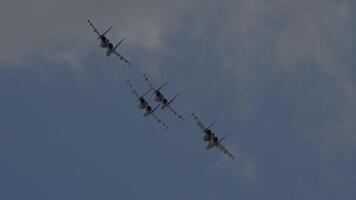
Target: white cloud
[
  {"x": 278, "y": 34},
  {"x": 38, "y": 25},
  {"x": 282, "y": 36}
]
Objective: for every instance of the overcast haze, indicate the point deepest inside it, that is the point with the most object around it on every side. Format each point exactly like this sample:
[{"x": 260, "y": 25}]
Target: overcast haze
[{"x": 278, "y": 74}]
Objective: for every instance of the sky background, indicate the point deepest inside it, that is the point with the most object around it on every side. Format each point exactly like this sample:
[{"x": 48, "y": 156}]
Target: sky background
[{"x": 279, "y": 74}]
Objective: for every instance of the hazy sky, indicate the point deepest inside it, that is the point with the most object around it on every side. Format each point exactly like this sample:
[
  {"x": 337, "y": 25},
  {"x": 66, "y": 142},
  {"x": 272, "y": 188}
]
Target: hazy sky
[{"x": 278, "y": 74}]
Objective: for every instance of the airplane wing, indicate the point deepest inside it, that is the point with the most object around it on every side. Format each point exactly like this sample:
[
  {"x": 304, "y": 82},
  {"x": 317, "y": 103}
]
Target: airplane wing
[
  {"x": 95, "y": 29},
  {"x": 176, "y": 113},
  {"x": 133, "y": 89},
  {"x": 149, "y": 82},
  {"x": 223, "y": 149},
  {"x": 159, "y": 120},
  {"x": 199, "y": 123},
  {"x": 121, "y": 57}
]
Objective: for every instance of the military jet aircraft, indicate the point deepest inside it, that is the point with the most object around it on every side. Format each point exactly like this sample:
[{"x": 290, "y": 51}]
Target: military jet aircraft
[
  {"x": 143, "y": 105},
  {"x": 159, "y": 97},
  {"x": 105, "y": 43},
  {"x": 210, "y": 137}
]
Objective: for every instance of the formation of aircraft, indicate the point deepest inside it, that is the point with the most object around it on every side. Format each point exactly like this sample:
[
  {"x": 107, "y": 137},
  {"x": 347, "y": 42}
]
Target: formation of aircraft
[
  {"x": 106, "y": 44},
  {"x": 159, "y": 97},
  {"x": 163, "y": 102},
  {"x": 143, "y": 105}
]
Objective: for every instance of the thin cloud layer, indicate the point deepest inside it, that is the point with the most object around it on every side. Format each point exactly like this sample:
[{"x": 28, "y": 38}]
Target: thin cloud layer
[
  {"x": 308, "y": 45},
  {"x": 34, "y": 29}
]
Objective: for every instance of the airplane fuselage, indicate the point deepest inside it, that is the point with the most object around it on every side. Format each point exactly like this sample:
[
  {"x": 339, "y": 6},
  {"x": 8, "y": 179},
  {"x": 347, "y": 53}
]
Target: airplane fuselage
[
  {"x": 210, "y": 137},
  {"x": 105, "y": 43},
  {"x": 158, "y": 96},
  {"x": 109, "y": 49},
  {"x": 164, "y": 103},
  {"x": 161, "y": 99},
  {"x": 147, "y": 110},
  {"x": 211, "y": 143},
  {"x": 142, "y": 103}
]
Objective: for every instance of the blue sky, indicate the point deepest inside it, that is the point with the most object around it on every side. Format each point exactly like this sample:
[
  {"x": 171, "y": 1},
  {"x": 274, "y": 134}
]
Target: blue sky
[{"x": 279, "y": 75}]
